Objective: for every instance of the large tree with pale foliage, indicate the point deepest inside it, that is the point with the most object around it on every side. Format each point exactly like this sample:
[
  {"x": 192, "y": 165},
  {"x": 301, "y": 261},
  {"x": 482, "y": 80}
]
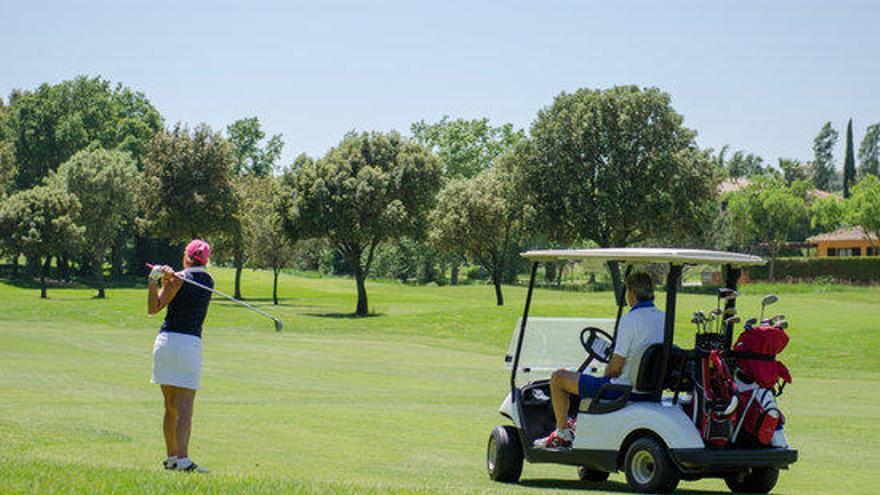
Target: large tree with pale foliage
[
  {"x": 103, "y": 182},
  {"x": 769, "y": 213},
  {"x": 617, "y": 167},
  {"x": 864, "y": 205},
  {"x": 187, "y": 190},
  {"x": 40, "y": 223},
  {"x": 369, "y": 188},
  {"x": 480, "y": 218}
]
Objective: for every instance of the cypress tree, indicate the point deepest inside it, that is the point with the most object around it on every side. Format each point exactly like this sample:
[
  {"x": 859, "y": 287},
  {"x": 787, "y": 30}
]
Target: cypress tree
[{"x": 849, "y": 162}]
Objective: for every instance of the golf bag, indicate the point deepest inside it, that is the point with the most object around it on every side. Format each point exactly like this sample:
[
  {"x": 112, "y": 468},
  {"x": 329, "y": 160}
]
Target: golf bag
[
  {"x": 719, "y": 401},
  {"x": 755, "y": 352},
  {"x": 759, "y": 416}
]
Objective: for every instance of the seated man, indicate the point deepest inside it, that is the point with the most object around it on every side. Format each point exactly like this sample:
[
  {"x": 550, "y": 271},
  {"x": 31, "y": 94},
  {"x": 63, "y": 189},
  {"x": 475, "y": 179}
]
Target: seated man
[{"x": 640, "y": 328}]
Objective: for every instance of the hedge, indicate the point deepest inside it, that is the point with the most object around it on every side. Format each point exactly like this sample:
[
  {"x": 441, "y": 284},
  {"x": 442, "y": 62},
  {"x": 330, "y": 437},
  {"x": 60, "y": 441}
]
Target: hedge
[{"x": 860, "y": 270}]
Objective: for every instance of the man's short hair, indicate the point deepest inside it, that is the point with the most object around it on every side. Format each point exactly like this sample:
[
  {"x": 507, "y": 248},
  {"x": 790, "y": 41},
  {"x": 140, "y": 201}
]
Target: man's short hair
[{"x": 642, "y": 286}]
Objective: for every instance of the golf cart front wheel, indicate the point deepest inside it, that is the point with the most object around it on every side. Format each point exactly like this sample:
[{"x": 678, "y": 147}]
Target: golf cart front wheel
[
  {"x": 758, "y": 480},
  {"x": 593, "y": 475},
  {"x": 649, "y": 468},
  {"x": 504, "y": 455}
]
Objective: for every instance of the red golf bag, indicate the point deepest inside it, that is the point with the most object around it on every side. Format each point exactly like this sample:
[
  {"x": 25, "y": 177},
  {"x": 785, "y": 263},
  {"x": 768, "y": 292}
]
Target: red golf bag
[
  {"x": 719, "y": 401},
  {"x": 756, "y": 350}
]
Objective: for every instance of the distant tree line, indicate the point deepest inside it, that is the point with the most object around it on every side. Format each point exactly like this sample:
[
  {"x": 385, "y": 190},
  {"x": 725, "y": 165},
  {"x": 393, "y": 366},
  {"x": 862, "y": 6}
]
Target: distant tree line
[{"x": 94, "y": 183}]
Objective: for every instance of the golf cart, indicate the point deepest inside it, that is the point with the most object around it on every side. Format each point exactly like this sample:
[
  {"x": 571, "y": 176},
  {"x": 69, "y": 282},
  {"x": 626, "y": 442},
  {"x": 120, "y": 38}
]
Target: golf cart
[{"x": 659, "y": 431}]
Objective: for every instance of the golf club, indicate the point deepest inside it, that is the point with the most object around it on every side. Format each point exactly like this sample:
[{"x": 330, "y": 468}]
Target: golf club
[
  {"x": 766, "y": 301},
  {"x": 279, "y": 325}
]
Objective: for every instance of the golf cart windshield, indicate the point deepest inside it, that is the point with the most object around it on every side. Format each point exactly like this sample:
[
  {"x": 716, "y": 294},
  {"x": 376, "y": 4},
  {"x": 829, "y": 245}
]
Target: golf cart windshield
[{"x": 552, "y": 343}]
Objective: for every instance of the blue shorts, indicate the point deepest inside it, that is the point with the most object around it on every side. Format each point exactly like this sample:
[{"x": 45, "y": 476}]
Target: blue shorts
[{"x": 589, "y": 385}]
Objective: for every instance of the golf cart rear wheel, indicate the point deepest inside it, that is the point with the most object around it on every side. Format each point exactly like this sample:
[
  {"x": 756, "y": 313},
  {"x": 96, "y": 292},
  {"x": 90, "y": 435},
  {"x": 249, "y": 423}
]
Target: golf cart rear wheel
[
  {"x": 593, "y": 475},
  {"x": 504, "y": 455},
  {"x": 649, "y": 468},
  {"x": 757, "y": 480}
]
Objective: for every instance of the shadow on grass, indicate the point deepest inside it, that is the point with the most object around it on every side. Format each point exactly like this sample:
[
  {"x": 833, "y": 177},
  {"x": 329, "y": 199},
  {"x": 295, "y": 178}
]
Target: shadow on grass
[
  {"x": 353, "y": 316},
  {"x": 606, "y": 486}
]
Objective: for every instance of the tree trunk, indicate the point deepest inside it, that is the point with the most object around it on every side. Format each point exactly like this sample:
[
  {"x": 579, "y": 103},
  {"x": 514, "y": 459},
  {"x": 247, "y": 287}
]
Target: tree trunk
[
  {"x": 14, "y": 265},
  {"x": 360, "y": 276},
  {"x": 550, "y": 272},
  {"x": 496, "y": 281},
  {"x": 453, "y": 274},
  {"x": 771, "y": 276},
  {"x": 99, "y": 277},
  {"x": 238, "y": 266},
  {"x": 43, "y": 277},
  {"x": 275, "y": 287}
]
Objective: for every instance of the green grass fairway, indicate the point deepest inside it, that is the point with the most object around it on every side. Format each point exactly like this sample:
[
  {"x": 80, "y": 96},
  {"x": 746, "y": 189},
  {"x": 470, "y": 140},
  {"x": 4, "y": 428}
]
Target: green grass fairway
[{"x": 401, "y": 402}]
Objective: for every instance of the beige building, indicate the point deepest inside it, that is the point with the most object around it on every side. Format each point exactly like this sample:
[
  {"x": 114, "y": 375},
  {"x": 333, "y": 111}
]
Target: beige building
[{"x": 850, "y": 241}]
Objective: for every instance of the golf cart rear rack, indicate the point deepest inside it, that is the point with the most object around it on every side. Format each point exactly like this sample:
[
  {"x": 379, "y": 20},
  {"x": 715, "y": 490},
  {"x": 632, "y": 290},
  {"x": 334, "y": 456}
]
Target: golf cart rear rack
[{"x": 703, "y": 461}]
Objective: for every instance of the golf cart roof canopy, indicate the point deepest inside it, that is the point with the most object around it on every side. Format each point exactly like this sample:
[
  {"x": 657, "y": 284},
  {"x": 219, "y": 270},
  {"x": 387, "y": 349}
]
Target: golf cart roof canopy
[{"x": 647, "y": 255}]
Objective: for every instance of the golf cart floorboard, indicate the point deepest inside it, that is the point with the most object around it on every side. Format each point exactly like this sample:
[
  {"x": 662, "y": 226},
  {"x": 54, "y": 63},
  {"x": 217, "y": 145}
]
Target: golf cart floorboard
[
  {"x": 603, "y": 460},
  {"x": 706, "y": 460}
]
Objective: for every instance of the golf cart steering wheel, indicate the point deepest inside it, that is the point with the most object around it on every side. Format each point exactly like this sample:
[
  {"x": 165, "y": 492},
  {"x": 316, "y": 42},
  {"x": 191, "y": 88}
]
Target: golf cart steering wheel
[{"x": 589, "y": 338}]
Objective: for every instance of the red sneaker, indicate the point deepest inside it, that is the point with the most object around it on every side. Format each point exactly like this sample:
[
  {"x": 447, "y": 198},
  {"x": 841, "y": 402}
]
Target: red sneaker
[{"x": 555, "y": 440}]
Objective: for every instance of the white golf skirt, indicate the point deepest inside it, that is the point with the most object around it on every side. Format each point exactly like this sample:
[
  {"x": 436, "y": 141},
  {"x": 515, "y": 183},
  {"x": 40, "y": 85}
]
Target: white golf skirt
[{"x": 177, "y": 360}]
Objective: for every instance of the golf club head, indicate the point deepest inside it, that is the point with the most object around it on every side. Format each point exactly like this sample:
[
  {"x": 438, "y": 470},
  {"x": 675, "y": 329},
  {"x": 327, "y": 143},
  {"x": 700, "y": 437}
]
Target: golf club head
[
  {"x": 279, "y": 325},
  {"x": 715, "y": 313},
  {"x": 777, "y": 318},
  {"x": 783, "y": 324},
  {"x": 751, "y": 322},
  {"x": 726, "y": 294},
  {"x": 733, "y": 320},
  {"x": 730, "y": 312},
  {"x": 769, "y": 299}
]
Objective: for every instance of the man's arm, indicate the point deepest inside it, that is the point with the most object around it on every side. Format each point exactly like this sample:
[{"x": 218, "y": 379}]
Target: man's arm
[{"x": 615, "y": 366}]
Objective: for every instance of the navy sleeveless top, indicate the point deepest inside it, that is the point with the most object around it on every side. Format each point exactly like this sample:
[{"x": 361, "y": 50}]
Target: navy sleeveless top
[{"x": 187, "y": 310}]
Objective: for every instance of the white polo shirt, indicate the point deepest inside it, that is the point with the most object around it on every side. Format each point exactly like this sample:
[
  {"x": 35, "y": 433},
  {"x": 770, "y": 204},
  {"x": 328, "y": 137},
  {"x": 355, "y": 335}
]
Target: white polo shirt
[{"x": 640, "y": 328}]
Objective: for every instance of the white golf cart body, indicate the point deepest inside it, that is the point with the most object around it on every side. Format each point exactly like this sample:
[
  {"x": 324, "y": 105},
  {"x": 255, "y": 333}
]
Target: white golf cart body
[{"x": 605, "y": 429}]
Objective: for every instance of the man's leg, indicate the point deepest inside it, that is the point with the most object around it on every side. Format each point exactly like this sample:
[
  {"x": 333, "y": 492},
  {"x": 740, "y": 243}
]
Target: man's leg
[
  {"x": 169, "y": 423},
  {"x": 184, "y": 405},
  {"x": 562, "y": 383}
]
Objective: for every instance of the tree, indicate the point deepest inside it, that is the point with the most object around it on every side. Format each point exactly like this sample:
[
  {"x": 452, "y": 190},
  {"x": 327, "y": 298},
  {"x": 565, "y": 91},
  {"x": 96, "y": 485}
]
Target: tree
[
  {"x": 849, "y": 162},
  {"x": 39, "y": 223},
  {"x": 869, "y": 152},
  {"x": 823, "y": 173},
  {"x": 827, "y": 214},
  {"x": 479, "y": 218},
  {"x": 864, "y": 206},
  {"x": 766, "y": 212},
  {"x": 743, "y": 164},
  {"x": 370, "y": 188},
  {"x": 249, "y": 158},
  {"x": 55, "y": 121},
  {"x": 792, "y": 170},
  {"x": 103, "y": 182},
  {"x": 187, "y": 190},
  {"x": 268, "y": 245},
  {"x": 616, "y": 167},
  {"x": 466, "y": 147}
]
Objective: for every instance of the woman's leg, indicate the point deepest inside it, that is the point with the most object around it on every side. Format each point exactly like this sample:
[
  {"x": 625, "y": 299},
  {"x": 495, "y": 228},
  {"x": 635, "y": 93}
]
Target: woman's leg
[
  {"x": 169, "y": 424},
  {"x": 184, "y": 405}
]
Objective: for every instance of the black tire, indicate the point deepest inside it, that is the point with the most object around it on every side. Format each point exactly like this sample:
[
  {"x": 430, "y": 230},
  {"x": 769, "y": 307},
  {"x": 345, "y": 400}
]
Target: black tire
[
  {"x": 648, "y": 467},
  {"x": 757, "y": 480},
  {"x": 504, "y": 455},
  {"x": 592, "y": 475}
]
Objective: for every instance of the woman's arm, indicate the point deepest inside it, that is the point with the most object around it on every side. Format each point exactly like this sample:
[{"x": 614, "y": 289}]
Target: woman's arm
[{"x": 158, "y": 299}]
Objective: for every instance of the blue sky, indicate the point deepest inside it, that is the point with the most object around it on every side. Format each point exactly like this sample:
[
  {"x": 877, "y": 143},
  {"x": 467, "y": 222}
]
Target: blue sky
[{"x": 760, "y": 76}]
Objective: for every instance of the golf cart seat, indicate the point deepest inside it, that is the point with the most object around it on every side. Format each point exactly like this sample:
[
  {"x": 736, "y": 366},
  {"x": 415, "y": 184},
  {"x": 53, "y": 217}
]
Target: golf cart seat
[
  {"x": 646, "y": 379},
  {"x": 650, "y": 373}
]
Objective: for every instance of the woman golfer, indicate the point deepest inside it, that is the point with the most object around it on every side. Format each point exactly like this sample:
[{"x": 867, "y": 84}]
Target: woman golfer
[{"x": 177, "y": 353}]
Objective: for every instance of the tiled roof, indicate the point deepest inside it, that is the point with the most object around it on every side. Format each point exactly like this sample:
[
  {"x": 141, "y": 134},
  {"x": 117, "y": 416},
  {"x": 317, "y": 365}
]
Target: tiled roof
[{"x": 844, "y": 234}]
